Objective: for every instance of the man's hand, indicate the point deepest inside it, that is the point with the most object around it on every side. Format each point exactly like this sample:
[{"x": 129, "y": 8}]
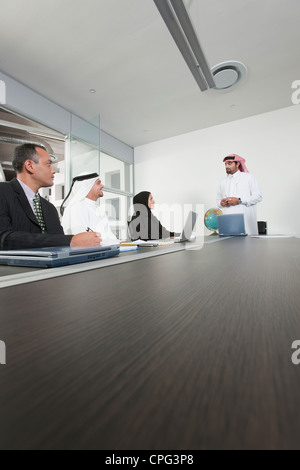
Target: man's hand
[
  {"x": 229, "y": 201},
  {"x": 86, "y": 239}
]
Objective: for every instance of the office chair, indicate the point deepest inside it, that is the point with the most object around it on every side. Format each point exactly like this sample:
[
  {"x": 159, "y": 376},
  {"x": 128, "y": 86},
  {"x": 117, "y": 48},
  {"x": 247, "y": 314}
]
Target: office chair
[{"x": 262, "y": 227}]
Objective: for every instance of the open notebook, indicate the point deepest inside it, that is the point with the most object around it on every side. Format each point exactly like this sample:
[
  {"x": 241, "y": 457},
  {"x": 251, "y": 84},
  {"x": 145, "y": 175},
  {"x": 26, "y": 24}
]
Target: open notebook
[{"x": 56, "y": 256}]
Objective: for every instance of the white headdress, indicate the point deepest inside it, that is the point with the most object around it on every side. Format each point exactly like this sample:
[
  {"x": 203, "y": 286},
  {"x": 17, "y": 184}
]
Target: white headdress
[{"x": 80, "y": 188}]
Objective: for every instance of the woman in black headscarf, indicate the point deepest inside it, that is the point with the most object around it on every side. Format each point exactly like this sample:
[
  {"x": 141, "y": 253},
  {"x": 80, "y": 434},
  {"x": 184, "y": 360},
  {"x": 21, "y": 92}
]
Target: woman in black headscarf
[{"x": 143, "y": 224}]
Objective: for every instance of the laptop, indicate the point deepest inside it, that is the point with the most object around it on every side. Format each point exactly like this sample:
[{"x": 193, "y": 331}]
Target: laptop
[
  {"x": 231, "y": 225},
  {"x": 188, "y": 228},
  {"x": 56, "y": 256}
]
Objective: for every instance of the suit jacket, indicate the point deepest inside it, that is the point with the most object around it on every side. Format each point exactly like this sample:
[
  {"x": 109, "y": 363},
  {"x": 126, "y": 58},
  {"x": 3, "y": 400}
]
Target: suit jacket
[{"x": 19, "y": 227}]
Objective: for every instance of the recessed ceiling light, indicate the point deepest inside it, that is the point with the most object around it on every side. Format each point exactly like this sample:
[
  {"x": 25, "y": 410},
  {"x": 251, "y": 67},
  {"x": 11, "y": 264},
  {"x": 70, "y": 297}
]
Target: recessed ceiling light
[
  {"x": 228, "y": 75},
  {"x": 92, "y": 90}
]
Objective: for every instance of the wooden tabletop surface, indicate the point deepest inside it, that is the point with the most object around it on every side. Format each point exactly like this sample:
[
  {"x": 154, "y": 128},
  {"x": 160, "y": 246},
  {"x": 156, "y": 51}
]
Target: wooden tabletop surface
[{"x": 191, "y": 350}]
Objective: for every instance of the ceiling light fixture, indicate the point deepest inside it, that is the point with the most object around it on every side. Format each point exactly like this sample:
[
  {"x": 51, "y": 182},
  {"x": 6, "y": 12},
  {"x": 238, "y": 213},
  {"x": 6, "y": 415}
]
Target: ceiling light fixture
[{"x": 178, "y": 22}]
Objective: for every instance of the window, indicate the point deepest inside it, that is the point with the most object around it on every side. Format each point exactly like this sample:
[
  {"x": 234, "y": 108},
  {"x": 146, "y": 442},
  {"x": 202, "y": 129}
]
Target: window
[{"x": 117, "y": 177}]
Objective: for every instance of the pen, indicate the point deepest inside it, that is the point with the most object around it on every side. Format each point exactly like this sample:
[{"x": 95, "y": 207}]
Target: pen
[{"x": 88, "y": 229}]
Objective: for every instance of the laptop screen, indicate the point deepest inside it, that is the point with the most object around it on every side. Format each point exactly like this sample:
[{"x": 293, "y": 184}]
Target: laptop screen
[{"x": 231, "y": 225}]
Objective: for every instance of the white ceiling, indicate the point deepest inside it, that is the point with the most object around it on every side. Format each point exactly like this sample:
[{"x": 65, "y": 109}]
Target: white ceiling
[{"x": 144, "y": 90}]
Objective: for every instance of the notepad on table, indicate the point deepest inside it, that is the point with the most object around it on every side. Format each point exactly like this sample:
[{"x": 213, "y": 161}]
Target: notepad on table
[{"x": 124, "y": 248}]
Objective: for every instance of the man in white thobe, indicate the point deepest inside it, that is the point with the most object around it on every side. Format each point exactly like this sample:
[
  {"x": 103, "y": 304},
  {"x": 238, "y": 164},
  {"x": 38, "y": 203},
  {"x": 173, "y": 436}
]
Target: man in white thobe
[
  {"x": 83, "y": 214},
  {"x": 239, "y": 192}
]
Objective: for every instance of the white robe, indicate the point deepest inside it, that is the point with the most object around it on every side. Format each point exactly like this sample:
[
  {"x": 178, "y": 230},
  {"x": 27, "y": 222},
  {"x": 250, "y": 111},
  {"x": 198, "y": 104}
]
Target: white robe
[
  {"x": 86, "y": 215},
  {"x": 246, "y": 187}
]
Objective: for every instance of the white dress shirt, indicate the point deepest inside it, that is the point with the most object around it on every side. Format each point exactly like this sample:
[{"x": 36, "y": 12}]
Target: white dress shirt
[
  {"x": 88, "y": 215},
  {"x": 244, "y": 186}
]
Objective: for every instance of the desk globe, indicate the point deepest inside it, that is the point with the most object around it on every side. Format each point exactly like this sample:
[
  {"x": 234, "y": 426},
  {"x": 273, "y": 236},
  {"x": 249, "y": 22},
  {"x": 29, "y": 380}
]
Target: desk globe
[{"x": 210, "y": 219}]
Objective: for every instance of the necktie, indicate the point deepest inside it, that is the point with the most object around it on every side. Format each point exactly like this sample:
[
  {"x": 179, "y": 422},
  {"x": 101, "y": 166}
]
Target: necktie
[{"x": 38, "y": 212}]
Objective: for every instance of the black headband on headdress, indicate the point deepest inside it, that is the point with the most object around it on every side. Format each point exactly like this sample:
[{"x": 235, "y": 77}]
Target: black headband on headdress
[
  {"x": 230, "y": 157},
  {"x": 77, "y": 178}
]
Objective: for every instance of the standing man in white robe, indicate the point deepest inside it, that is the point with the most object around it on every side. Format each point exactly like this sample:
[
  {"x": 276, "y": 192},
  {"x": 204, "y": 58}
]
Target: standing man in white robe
[
  {"x": 83, "y": 214},
  {"x": 239, "y": 192}
]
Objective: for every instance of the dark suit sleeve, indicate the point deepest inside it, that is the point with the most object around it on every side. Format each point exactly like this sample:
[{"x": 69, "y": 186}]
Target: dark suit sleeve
[
  {"x": 22, "y": 240},
  {"x": 18, "y": 231}
]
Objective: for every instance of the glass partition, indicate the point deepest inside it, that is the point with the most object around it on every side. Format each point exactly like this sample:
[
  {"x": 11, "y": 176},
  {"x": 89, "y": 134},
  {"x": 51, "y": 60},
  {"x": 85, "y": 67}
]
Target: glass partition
[
  {"x": 116, "y": 208},
  {"x": 117, "y": 177},
  {"x": 83, "y": 148},
  {"x": 116, "y": 174}
]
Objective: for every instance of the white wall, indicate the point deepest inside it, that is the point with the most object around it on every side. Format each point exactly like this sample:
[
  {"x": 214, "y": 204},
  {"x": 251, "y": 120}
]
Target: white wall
[{"x": 187, "y": 169}]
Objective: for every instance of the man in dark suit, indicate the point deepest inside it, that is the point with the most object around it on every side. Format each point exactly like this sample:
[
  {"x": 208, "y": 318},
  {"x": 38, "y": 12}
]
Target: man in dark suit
[{"x": 26, "y": 223}]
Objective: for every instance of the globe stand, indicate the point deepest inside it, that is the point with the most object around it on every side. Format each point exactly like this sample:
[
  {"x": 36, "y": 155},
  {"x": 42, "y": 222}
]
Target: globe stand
[{"x": 213, "y": 234}]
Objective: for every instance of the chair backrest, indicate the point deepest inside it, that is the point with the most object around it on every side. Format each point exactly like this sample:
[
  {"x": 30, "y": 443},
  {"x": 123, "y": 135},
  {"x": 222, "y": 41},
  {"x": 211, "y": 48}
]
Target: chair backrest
[
  {"x": 262, "y": 227},
  {"x": 2, "y": 175}
]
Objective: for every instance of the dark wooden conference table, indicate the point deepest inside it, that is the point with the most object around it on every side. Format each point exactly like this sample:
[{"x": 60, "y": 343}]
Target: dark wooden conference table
[{"x": 189, "y": 350}]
